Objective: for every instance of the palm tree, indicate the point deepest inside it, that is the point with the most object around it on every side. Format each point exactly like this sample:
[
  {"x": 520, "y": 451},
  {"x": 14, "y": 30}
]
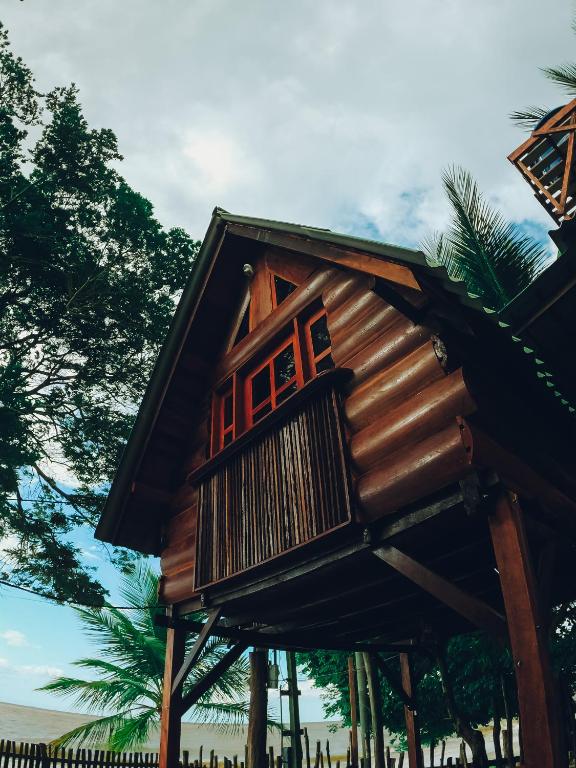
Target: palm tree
[
  {"x": 563, "y": 76},
  {"x": 129, "y": 672},
  {"x": 494, "y": 258}
]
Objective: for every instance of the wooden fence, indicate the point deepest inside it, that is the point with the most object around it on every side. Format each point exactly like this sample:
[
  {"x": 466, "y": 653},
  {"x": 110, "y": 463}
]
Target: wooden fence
[{"x": 21, "y": 755}]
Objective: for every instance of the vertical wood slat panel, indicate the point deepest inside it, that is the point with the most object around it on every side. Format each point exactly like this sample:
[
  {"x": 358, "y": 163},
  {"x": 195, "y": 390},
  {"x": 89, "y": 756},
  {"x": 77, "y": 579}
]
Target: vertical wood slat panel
[{"x": 287, "y": 487}]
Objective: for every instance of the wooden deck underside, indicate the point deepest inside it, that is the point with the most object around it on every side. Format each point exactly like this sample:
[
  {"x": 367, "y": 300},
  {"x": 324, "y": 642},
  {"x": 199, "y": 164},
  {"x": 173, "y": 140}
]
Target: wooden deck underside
[{"x": 347, "y": 595}]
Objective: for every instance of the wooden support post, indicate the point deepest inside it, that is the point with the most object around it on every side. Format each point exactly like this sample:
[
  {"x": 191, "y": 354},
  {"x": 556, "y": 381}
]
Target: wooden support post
[
  {"x": 258, "y": 714},
  {"x": 536, "y": 690},
  {"x": 170, "y": 724},
  {"x": 412, "y": 726},
  {"x": 363, "y": 707},
  {"x": 293, "y": 693},
  {"x": 375, "y": 708},
  {"x": 353, "y": 713}
]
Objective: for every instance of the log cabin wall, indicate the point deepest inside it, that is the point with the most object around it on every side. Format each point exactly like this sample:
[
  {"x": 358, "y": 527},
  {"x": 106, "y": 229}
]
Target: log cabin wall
[{"x": 403, "y": 407}]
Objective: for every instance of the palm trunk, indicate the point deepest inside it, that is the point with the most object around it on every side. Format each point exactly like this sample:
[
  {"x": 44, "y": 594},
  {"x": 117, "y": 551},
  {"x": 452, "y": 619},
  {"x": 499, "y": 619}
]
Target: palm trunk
[{"x": 471, "y": 736}]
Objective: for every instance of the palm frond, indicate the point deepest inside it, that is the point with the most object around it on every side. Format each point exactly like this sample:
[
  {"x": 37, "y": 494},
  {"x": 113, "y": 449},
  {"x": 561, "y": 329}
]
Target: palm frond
[
  {"x": 228, "y": 716},
  {"x": 130, "y": 671},
  {"x": 494, "y": 258},
  {"x": 528, "y": 118},
  {"x": 133, "y": 732},
  {"x": 95, "y": 695},
  {"x": 95, "y": 732},
  {"x": 564, "y": 76}
]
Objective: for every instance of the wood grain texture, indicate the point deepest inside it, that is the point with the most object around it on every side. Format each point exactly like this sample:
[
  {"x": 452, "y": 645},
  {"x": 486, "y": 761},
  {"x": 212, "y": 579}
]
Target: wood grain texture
[
  {"x": 415, "y": 756},
  {"x": 389, "y": 387},
  {"x": 418, "y": 417},
  {"x": 539, "y": 710},
  {"x": 282, "y": 490},
  {"x": 414, "y": 472}
]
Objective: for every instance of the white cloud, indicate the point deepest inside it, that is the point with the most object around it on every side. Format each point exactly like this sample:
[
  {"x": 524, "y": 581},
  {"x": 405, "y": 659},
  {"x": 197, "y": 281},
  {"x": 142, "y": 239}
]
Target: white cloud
[
  {"x": 41, "y": 670},
  {"x": 14, "y": 637},
  {"x": 30, "y": 670},
  {"x": 310, "y": 111}
]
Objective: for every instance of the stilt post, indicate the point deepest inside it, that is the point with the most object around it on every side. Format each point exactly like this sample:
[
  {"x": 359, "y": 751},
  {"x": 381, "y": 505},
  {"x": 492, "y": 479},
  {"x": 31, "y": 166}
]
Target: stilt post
[
  {"x": 171, "y": 718},
  {"x": 415, "y": 759},
  {"x": 536, "y": 690},
  {"x": 293, "y": 693},
  {"x": 353, "y": 712},
  {"x": 376, "y": 709},
  {"x": 363, "y": 706},
  {"x": 258, "y": 714}
]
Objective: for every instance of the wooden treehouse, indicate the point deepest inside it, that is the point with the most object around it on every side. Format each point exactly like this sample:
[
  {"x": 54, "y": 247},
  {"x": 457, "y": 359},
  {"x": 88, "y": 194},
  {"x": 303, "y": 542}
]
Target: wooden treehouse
[{"x": 340, "y": 449}]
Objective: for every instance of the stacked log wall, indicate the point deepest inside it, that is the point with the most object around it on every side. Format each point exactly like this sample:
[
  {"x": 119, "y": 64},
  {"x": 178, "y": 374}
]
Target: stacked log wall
[{"x": 403, "y": 410}]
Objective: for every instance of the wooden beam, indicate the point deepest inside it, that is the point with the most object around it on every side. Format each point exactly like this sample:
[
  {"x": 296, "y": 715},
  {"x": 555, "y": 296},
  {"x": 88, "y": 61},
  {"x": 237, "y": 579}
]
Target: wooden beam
[
  {"x": 170, "y": 723},
  {"x": 539, "y": 711},
  {"x": 302, "y": 642},
  {"x": 396, "y": 686},
  {"x": 415, "y": 757},
  {"x": 204, "y": 685},
  {"x": 478, "y": 613},
  {"x": 361, "y": 262},
  {"x": 201, "y": 640},
  {"x": 225, "y": 594},
  {"x": 521, "y": 478}
]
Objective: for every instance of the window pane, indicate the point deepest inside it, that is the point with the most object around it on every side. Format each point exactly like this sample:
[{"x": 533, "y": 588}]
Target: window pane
[
  {"x": 262, "y": 412},
  {"x": 283, "y": 288},
  {"x": 284, "y": 366},
  {"x": 228, "y": 411},
  {"x": 325, "y": 364},
  {"x": 261, "y": 387},
  {"x": 319, "y": 335},
  {"x": 286, "y": 392}
]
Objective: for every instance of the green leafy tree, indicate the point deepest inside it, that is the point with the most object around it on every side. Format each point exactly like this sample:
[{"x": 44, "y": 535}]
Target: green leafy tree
[
  {"x": 129, "y": 672},
  {"x": 493, "y": 257},
  {"x": 88, "y": 282},
  {"x": 466, "y": 695}
]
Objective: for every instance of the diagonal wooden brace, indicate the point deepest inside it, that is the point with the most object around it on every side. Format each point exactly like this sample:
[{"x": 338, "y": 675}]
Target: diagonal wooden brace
[
  {"x": 212, "y": 677},
  {"x": 395, "y": 684},
  {"x": 477, "y": 612},
  {"x": 197, "y": 649}
]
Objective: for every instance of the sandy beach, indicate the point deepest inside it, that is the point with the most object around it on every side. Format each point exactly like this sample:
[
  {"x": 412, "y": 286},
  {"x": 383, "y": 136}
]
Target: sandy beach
[{"x": 32, "y": 724}]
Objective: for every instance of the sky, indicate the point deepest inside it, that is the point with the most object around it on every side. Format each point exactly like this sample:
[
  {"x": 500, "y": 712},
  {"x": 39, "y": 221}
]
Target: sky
[{"x": 331, "y": 113}]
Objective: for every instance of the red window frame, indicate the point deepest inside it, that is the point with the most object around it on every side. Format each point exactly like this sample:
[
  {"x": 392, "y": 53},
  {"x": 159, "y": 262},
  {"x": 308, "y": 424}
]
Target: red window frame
[
  {"x": 220, "y": 429},
  {"x": 239, "y": 386},
  {"x": 314, "y": 359},
  {"x": 275, "y": 391}
]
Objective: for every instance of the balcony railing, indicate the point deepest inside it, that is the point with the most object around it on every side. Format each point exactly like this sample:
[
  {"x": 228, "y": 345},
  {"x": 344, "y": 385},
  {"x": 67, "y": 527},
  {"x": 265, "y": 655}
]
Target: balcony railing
[{"x": 282, "y": 484}]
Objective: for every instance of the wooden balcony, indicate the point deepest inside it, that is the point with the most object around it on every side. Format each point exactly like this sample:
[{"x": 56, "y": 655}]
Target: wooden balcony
[{"x": 279, "y": 486}]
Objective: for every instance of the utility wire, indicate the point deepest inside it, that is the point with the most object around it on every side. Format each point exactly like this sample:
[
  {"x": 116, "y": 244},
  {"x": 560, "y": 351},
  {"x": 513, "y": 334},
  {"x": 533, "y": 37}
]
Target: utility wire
[{"x": 73, "y": 603}]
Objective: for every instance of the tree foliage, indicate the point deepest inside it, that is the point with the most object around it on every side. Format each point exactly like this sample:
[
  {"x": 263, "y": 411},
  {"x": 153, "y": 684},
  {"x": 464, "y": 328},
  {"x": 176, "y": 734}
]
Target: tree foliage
[
  {"x": 493, "y": 257},
  {"x": 564, "y": 76},
  {"x": 126, "y": 687},
  {"x": 88, "y": 279}
]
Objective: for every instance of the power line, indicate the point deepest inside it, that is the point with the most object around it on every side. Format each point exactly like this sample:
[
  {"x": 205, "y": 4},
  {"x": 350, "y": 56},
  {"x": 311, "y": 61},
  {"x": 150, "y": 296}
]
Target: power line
[{"x": 73, "y": 603}]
